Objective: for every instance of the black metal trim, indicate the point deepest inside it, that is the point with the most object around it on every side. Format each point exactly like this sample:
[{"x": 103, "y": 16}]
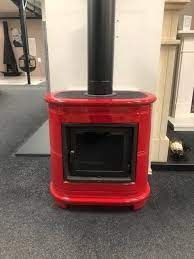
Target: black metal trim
[
  {"x": 176, "y": 167},
  {"x": 18, "y": 17},
  {"x": 98, "y": 180},
  {"x": 65, "y": 150},
  {"x": 116, "y": 95},
  {"x": 24, "y": 37}
]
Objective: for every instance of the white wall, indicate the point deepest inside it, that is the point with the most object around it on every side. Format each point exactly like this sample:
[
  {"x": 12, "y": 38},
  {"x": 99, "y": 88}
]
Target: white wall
[
  {"x": 7, "y": 7},
  {"x": 137, "y": 43}
]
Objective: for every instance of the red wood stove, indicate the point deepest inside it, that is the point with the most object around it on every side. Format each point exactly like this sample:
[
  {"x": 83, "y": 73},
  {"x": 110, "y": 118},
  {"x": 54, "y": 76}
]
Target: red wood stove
[{"x": 100, "y": 138}]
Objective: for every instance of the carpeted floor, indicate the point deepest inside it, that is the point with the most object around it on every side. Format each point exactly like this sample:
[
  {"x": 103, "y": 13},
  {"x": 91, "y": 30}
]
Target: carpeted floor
[{"x": 31, "y": 226}]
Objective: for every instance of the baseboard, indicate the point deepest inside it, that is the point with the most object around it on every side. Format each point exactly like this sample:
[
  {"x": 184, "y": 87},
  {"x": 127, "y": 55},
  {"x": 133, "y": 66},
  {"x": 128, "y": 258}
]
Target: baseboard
[{"x": 160, "y": 166}]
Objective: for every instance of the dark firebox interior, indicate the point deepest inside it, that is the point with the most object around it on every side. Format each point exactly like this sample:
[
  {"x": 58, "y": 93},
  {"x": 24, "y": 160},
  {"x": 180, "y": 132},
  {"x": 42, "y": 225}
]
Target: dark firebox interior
[{"x": 100, "y": 151}]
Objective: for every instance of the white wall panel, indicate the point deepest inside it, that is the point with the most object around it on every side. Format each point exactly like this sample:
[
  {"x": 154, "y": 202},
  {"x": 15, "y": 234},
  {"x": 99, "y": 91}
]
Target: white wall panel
[{"x": 137, "y": 43}]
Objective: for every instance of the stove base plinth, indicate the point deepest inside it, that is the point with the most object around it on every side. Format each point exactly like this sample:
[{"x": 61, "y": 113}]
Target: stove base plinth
[{"x": 136, "y": 202}]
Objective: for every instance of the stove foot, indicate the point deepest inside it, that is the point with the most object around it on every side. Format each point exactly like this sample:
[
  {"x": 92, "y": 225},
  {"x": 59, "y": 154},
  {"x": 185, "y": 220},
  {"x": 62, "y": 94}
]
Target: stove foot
[
  {"x": 139, "y": 205},
  {"x": 61, "y": 205}
]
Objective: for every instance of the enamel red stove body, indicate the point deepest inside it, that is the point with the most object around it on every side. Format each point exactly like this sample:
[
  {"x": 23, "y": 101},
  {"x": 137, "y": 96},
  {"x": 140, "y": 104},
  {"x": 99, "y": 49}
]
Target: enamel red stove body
[
  {"x": 78, "y": 126},
  {"x": 100, "y": 139}
]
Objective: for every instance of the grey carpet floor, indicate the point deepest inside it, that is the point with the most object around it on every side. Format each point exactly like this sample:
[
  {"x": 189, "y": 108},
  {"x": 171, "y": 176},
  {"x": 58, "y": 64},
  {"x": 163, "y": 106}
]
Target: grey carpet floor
[
  {"x": 31, "y": 226},
  {"x": 22, "y": 111}
]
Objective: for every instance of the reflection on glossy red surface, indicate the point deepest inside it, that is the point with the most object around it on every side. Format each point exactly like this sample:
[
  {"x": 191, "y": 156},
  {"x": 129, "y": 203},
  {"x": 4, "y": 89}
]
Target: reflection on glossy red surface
[{"x": 93, "y": 111}]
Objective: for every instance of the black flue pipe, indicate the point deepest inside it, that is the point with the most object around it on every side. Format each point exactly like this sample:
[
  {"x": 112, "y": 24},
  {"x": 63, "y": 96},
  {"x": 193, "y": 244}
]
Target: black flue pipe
[{"x": 101, "y": 31}]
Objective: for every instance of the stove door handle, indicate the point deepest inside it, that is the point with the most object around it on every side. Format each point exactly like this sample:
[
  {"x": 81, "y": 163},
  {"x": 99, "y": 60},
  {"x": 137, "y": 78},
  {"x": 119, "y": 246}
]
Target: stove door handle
[{"x": 71, "y": 156}]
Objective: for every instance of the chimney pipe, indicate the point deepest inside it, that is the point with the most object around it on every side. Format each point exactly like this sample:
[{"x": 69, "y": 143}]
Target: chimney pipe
[{"x": 101, "y": 27}]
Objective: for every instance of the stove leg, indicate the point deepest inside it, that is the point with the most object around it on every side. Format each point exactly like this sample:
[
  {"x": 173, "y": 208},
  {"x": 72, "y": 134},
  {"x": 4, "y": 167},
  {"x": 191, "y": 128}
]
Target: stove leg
[
  {"x": 139, "y": 205},
  {"x": 62, "y": 205}
]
